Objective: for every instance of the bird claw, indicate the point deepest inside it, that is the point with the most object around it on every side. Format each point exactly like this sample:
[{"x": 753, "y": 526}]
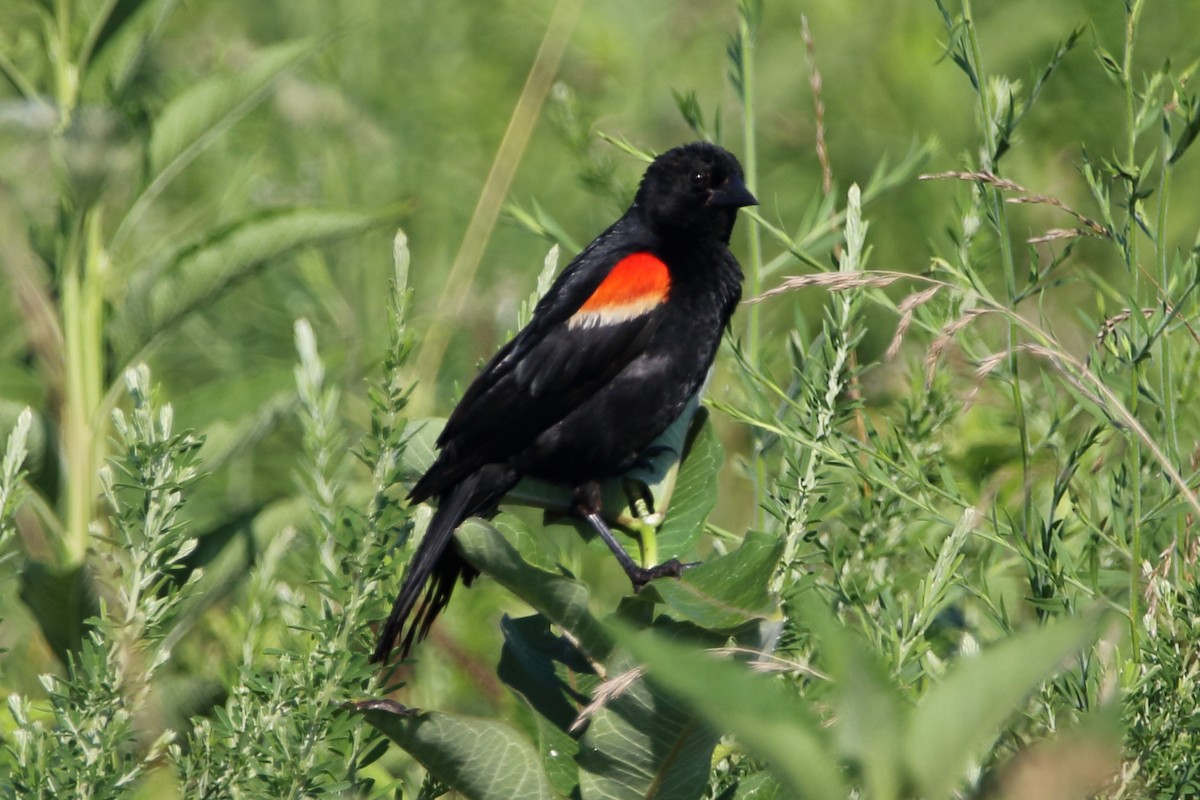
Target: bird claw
[{"x": 673, "y": 568}]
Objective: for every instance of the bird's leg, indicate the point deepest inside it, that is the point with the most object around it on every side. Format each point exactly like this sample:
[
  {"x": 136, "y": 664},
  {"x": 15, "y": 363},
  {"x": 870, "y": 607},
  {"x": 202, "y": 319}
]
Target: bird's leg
[
  {"x": 641, "y": 503},
  {"x": 587, "y": 505}
]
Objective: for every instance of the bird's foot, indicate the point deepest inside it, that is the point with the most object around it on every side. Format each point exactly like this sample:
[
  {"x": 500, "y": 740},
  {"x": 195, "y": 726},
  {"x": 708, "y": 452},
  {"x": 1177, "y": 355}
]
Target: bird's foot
[
  {"x": 672, "y": 568},
  {"x": 588, "y": 507}
]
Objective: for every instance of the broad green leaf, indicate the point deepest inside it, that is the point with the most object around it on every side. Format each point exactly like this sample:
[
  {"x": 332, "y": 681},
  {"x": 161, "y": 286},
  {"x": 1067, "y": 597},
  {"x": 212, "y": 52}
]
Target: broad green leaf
[
  {"x": 639, "y": 743},
  {"x": 202, "y": 111},
  {"x": 728, "y": 591},
  {"x": 478, "y": 758},
  {"x": 759, "y": 786},
  {"x": 420, "y": 448},
  {"x": 695, "y": 491},
  {"x": 546, "y": 668},
  {"x": 554, "y": 680},
  {"x": 643, "y": 744},
  {"x": 869, "y": 711},
  {"x": 959, "y": 716},
  {"x": 528, "y": 545},
  {"x": 204, "y": 272},
  {"x": 563, "y": 601},
  {"x": 767, "y": 720}
]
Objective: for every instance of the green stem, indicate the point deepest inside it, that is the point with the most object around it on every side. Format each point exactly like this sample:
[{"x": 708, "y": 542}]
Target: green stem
[
  {"x": 83, "y": 329},
  {"x": 1166, "y": 365},
  {"x": 750, "y": 159},
  {"x": 461, "y": 277},
  {"x": 66, "y": 72},
  {"x": 1000, "y": 215},
  {"x": 746, "y": 35},
  {"x": 1131, "y": 263}
]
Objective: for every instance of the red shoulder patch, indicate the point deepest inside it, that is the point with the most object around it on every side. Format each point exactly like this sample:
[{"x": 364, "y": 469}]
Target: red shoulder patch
[{"x": 637, "y": 283}]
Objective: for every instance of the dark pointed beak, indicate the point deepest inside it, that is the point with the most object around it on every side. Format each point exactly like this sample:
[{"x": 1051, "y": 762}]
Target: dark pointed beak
[{"x": 732, "y": 194}]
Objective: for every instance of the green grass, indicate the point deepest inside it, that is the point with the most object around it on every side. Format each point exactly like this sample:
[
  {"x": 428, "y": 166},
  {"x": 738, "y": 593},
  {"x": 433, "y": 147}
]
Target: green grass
[{"x": 952, "y": 436}]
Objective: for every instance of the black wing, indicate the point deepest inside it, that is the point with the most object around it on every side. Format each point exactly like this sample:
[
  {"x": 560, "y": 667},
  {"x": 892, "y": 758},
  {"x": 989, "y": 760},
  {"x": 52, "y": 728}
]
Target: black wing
[{"x": 542, "y": 374}]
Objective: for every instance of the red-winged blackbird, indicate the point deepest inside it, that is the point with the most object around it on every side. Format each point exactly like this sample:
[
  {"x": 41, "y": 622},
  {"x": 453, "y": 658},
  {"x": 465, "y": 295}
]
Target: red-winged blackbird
[{"x": 620, "y": 343}]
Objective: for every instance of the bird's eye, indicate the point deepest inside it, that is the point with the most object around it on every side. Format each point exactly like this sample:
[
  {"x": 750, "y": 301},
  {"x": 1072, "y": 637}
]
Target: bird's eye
[{"x": 698, "y": 178}]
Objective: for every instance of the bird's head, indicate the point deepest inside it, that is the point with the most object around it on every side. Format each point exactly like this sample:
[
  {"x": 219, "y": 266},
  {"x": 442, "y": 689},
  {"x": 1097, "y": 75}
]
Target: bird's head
[{"x": 695, "y": 189}]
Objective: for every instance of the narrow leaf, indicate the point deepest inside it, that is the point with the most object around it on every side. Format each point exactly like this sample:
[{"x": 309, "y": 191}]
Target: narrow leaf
[
  {"x": 119, "y": 14},
  {"x": 62, "y": 601},
  {"x": 190, "y": 118},
  {"x": 204, "y": 272}
]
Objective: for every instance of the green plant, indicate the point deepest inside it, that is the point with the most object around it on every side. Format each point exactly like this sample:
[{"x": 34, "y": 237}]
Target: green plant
[
  {"x": 919, "y": 530},
  {"x": 91, "y": 744},
  {"x": 107, "y": 268}
]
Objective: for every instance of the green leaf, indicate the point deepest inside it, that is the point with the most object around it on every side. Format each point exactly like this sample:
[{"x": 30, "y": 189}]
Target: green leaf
[
  {"x": 480, "y": 759},
  {"x": 61, "y": 601},
  {"x": 193, "y": 118},
  {"x": 529, "y": 546},
  {"x": 562, "y": 600},
  {"x": 643, "y": 744},
  {"x": 420, "y": 447},
  {"x": 759, "y": 786},
  {"x": 119, "y": 14},
  {"x": 554, "y": 680},
  {"x": 869, "y": 710},
  {"x": 695, "y": 490},
  {"x": 1190, "y": 130},
  {"x": 766, "y": 718},
  {"x": 1110, "y": 64},
  {"x": 959, "y": 716},
  {"x": 657, "y": 471},
  {"x": 726, "y": 592},
  {"x": 203, "y": 272},
  {"x": 637, "y": 744}
]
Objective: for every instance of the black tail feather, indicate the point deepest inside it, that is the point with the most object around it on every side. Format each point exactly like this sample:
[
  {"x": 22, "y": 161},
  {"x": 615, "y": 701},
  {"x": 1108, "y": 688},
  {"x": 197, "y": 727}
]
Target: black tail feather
[{"x": 436, "y": 567}]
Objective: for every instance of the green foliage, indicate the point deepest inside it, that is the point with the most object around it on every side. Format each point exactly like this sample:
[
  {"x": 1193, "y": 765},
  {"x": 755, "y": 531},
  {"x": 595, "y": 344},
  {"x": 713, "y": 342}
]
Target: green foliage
[
  {"x": 900, "y": 752},
  {"x": 479, "y": 758},
  {"x": 12, "y": 473},
  {"x": 943, "y": 504},
  {"x": 90, "y": 739},
  {"x": 632, "y": 740}
]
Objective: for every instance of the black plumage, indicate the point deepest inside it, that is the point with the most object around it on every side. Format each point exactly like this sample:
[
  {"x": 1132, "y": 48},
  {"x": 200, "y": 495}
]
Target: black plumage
[{"x": 616, "y": 348}]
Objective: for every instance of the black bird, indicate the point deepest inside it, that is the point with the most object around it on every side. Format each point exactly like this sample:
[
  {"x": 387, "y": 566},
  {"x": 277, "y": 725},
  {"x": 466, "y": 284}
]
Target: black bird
[{"x": 614, "y": 351}]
